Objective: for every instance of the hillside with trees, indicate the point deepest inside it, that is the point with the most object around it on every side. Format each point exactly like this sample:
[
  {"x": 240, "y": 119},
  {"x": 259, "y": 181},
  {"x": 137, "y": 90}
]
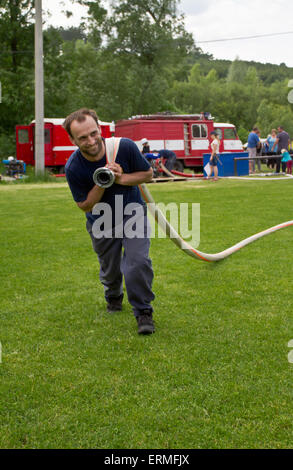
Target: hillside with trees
[{"x": 138, "y": 60}]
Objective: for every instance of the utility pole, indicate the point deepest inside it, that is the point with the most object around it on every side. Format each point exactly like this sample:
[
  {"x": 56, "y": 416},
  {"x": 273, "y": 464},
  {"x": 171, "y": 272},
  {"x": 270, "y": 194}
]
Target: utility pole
[{"x": 39, "y": 91}]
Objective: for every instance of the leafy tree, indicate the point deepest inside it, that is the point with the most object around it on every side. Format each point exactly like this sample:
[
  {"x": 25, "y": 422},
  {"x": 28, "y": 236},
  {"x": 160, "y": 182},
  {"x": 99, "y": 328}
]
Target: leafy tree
[
  {"x": 212, "y": 76},
  {"x": 237, "y": 71},
  {"x": 278, "y": 92},
  {"x": 147, "y": 39},
  {"x": 58, "y": 63},
  {"x": 71, "y": 34},
  {"x": 251, "y": 77},
  {"x": 96, "y": 21},
  {"x": 16, "y": 33},
  {"x": 16, "y": 66},
  {"x": 270, "y": 116},
  {"x": 242, "y": 134}
]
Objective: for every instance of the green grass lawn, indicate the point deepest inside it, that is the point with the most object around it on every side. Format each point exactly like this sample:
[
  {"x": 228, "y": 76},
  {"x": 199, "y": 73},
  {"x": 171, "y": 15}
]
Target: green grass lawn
[{"x": 214, "y": 375}]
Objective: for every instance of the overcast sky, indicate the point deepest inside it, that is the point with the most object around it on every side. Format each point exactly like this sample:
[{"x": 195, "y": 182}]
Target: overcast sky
[{"x": 221, "y": 19}]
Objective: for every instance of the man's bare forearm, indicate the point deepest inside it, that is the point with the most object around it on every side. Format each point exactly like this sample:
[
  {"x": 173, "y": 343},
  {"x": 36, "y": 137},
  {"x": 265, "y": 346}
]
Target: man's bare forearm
[
  {"x": 93, "y": 197},
  {"x": 133, "y": 179},
  {"x": 125, "y": 179}
]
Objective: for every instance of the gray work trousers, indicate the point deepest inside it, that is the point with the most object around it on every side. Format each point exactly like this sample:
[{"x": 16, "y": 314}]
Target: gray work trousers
[{"x": 128, "y": 257}]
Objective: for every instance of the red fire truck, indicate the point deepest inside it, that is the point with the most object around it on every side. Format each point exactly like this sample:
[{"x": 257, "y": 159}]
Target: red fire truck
[
  {"x": 58, "y": 147},
  {"x": 187, "y": 135}
]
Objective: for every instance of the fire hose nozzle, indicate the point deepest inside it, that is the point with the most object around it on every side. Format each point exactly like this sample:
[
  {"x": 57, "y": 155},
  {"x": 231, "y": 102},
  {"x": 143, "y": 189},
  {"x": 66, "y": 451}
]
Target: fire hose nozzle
[{"x": 104, "y": 177}]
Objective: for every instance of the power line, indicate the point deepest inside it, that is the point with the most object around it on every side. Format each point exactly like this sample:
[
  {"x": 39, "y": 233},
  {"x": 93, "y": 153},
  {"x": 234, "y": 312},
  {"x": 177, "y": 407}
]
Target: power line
[
  {"x": 196, "y": 42},
  {"x": 244, "y": 37}
]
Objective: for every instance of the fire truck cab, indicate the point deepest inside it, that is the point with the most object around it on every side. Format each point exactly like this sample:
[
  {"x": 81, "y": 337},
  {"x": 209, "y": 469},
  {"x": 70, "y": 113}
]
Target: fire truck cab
[
  {"x": 187, "y": 135},
  {"x": 58, "y": 146}
]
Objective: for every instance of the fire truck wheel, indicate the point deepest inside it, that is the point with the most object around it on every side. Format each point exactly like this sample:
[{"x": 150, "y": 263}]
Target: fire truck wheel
[{"x": 178, "y": 166}]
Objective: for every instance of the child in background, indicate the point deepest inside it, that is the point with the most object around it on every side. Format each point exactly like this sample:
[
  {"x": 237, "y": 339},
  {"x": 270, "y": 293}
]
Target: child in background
[{"x": 288, "y": 160}]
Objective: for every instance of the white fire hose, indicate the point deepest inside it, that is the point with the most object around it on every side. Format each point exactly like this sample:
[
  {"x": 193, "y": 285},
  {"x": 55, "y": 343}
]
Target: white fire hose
[
  {"x": 112, "y": 146},
  {"x": 175, "y": 237}
]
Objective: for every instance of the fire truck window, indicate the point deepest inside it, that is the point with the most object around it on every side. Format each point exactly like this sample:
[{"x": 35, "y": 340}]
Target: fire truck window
[
  {"x": 199, "y": 131},
  {"x": 230, "y": 134},
  {"x": 196, "y": 131},
  {"x": 219, "y": 132},
  {"x": 47, "y": 136},
  {"x": 204, "y": 131},
  {"x": 23, "y": 136}
]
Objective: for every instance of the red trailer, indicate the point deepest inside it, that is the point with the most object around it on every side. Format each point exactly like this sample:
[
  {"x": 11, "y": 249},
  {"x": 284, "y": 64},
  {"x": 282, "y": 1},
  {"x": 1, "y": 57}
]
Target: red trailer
[
  {"x": 58, "y": 147},
  {"x": 187, "y": 135}
]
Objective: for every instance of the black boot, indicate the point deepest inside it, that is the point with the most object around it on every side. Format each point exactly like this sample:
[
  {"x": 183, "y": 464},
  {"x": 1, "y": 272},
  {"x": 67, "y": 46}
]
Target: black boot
[
  {"x": 114, "y": 304},
  {"x": 145, "y": 323}
]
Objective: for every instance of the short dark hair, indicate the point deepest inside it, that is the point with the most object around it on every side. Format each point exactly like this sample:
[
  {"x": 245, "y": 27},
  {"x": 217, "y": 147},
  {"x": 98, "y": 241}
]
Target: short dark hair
[
  {"x": 79, "y": 116},
  {"x": 255, "y": 129}
]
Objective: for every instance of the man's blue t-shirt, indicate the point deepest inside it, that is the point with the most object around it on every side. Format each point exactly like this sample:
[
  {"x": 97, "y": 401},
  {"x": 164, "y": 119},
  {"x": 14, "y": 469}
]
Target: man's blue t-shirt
[
  {"x": 79, "y": 173},
  {"x": 253, "y": 140}
]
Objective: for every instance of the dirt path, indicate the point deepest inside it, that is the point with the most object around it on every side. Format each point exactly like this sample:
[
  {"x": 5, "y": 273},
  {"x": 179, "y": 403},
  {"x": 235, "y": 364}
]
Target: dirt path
[{"x": 16, "y": 187}]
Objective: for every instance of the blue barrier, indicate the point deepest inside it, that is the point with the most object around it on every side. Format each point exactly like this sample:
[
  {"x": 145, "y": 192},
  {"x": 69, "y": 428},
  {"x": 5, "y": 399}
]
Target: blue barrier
[{"x": 226, "y": 164}]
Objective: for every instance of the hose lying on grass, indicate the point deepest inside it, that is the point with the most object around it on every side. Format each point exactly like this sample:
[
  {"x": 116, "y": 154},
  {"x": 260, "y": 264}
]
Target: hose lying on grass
[
  {"x": 186, "y": 175},
  {"x": 111, "y": 152},
  {"x": 259, "y": 178},
  {"x": 183, "y": 245}
]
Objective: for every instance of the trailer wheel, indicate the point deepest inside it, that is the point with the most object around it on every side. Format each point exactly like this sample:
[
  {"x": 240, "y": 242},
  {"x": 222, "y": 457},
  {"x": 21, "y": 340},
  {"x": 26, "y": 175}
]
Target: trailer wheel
[{"x": 178, "y": 166}]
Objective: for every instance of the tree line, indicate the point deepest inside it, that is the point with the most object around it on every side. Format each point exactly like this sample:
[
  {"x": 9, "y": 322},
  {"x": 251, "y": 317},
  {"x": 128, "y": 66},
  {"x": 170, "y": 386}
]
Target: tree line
[{"x": 136, "y": 58}]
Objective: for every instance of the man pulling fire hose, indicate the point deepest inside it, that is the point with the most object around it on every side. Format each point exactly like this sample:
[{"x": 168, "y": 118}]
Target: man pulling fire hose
[{"x": 119, "y": 161}]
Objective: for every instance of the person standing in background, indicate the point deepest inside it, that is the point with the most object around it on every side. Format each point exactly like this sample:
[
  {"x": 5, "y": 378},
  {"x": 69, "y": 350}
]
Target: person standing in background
[
  {"x": 145, "y": 146},
  {"x": 270, "y": 143},
  {"x": 215, "y": 146},
  {"x": 253, "y": 143},
  {"x": 170, "y": 157},
  {"x": 282, "y": 142},
  {"x": 259, "y": 152}
]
